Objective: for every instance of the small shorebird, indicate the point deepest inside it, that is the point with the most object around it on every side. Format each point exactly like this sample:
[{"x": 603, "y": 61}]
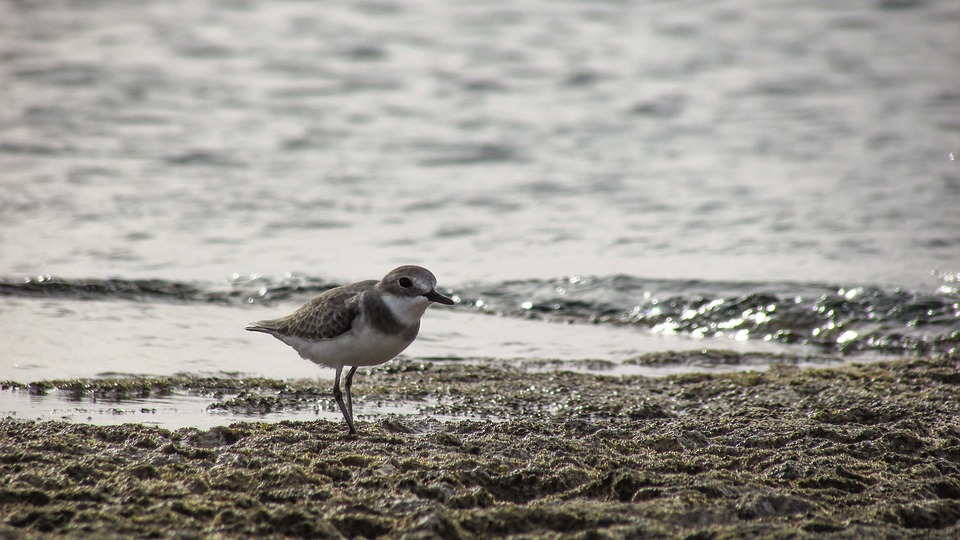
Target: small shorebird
[{"x": 362, "y": 324}]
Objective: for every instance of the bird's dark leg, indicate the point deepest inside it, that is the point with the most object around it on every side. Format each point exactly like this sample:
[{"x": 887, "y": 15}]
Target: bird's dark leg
[
  {"x": 337, "y": 395},
  {"x": 347, "y": 385}
]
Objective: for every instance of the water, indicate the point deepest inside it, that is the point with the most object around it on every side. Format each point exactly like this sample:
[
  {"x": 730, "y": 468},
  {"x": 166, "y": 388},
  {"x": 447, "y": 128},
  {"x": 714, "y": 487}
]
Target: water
[{"x": 591, "y": 179}]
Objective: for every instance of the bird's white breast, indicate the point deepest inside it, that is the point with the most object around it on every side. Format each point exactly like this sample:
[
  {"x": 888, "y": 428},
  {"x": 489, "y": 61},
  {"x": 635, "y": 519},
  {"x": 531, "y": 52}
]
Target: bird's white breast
[{"x": 361, "y": 346}]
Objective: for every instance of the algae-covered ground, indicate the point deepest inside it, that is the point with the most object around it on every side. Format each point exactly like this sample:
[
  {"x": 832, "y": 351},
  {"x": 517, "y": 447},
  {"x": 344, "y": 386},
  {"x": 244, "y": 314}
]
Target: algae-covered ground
[{"x": 847, "y": 451}]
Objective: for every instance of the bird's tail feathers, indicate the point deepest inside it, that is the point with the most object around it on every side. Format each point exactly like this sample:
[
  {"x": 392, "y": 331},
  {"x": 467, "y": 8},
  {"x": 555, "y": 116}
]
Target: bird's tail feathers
[{"x": 259, "y": 327}]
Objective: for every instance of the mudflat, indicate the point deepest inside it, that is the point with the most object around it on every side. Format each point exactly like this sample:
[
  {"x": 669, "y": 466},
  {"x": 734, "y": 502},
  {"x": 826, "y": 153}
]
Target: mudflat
[{"x": 854, "y": 450}]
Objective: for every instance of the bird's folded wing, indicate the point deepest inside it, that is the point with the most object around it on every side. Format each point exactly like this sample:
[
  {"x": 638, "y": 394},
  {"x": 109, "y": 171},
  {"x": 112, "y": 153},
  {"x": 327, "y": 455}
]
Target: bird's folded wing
[{"x": 327, "y": 316}]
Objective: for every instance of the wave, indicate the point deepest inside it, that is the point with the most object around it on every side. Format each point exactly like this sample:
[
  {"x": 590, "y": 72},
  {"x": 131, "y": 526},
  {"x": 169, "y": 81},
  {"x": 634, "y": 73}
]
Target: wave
[
  {"x": 844, "y": 319},
  {"x": 247, "y": 290}
]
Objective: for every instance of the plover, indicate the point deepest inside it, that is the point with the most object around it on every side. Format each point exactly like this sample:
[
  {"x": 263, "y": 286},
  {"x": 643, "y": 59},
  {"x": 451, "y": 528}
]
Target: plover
[{"x": 362, "y": 324}]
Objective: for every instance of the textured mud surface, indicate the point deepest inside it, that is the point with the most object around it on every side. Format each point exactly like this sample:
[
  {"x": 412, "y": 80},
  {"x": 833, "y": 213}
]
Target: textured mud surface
[{"x": 850, "y": 451}]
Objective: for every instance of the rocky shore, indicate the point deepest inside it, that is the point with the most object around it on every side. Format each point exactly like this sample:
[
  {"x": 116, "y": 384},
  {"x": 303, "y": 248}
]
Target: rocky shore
[{"x": 849, "y": 451}]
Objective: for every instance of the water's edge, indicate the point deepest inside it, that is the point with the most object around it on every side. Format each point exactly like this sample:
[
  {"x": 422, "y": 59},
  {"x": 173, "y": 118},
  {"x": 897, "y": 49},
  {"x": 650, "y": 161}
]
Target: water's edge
[{"x": 840, "y": 319}]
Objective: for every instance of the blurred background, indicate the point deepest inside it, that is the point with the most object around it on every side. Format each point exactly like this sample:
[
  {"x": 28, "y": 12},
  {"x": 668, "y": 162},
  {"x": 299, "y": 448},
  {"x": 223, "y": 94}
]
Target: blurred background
[{"x": 711, "y": 140}]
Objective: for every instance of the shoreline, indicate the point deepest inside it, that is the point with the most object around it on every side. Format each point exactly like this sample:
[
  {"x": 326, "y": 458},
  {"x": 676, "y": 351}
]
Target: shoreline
[{"x": 850, "y": 450}]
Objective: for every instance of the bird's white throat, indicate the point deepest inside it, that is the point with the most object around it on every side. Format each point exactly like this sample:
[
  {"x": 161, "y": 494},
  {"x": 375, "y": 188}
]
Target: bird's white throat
[{"x": 407, "y": 309}]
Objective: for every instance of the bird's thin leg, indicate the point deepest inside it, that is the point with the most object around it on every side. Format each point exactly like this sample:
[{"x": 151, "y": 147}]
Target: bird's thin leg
[
  {"x": 347, "y": 385},
  {"x": 337, "y": 395}
]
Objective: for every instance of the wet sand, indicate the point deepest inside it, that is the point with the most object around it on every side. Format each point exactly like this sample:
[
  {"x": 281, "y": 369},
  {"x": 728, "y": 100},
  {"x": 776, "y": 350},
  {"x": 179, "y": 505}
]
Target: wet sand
[{"x": 868, "y": 450}]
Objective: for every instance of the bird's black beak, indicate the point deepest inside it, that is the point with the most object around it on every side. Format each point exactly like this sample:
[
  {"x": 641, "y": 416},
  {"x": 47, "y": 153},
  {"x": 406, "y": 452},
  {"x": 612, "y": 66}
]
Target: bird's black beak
[{"x": 434, "y": 296}]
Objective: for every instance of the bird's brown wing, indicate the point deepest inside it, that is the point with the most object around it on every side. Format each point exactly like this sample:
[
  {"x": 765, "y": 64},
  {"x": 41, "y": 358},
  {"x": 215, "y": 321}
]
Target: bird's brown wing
[{"x": 327, "y": 316}]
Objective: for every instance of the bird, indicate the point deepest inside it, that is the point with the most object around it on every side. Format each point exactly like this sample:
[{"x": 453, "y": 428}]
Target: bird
[{"x": 363, "y": 324}]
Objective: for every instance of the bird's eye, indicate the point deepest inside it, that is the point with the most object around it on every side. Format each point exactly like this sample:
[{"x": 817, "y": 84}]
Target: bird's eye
[{"x": 405, "y": 282}]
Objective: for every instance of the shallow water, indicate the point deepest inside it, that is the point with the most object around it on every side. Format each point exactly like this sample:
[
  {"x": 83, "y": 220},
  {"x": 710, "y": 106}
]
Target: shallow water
[
  {"x": 172, "y": 412},
  {"x": 717, "y": 175},
  {"x": 77, "y": 339}
]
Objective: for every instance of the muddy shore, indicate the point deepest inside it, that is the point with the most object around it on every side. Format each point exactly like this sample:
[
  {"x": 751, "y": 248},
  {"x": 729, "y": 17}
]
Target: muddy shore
[{"x": 868, "y": 450}]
